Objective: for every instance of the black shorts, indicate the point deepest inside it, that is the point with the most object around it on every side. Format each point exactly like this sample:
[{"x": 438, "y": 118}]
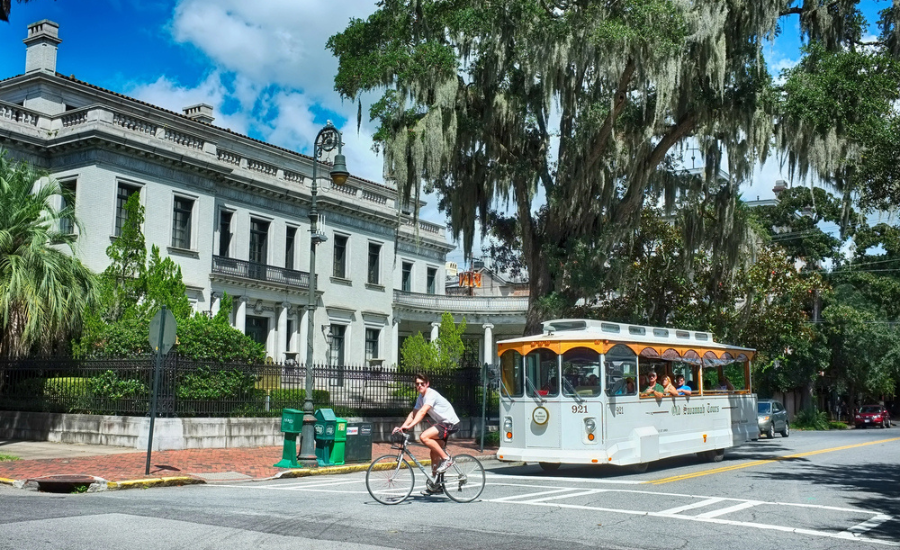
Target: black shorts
[{"x": 445, "y": 429}]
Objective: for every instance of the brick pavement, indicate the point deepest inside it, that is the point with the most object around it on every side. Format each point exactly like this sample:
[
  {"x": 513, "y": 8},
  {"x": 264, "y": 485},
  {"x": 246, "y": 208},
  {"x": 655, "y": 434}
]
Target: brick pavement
[{"x": 222, "y": 464}]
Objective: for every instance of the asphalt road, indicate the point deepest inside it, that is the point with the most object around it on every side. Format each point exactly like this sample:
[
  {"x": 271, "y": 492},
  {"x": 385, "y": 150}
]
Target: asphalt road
[{"x": 812, "y": 490}]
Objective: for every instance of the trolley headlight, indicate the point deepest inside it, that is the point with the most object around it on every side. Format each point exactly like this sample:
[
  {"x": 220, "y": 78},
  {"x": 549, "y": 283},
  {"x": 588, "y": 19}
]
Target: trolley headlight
[
  {"x": 590, "y": 425},
  {"x": 507, "y": 428}
]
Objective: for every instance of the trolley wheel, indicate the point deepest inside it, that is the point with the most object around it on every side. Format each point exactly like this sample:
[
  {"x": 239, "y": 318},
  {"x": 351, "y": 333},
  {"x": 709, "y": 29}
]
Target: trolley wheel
[
  {"x": 549, "y": 466},
  {"x": 390, "y": 479},
  {"x": 640, "y": 467},
  {"x": 715, "y": 455},
  {"x": 464, "y": 480}
]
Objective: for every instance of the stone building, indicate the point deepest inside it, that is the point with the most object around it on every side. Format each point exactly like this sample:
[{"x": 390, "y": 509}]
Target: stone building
[{"x": 232, "y": 211}]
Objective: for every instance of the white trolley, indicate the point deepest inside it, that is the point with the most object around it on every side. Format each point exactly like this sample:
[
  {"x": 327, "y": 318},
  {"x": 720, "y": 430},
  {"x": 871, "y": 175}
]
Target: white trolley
[{"x": 573, "y": 395}]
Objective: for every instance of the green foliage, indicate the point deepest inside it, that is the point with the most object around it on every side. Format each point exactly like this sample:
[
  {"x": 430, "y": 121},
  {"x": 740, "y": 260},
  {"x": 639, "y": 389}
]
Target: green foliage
[
  {"x": 293, "y": 399},
  {"x": 833, "y": 425},
  {"x": 492, "y": 439},
  {"x": 811, "y": 419},
  {"x": 213, "y": 339},
  {"x": 123, "y": 280},
  {"x": 110, "y": 386},
  {"x": 163, "y": 285},
  {"x": 205, "y": 383},
  {"x": 8, "y": 458},
  {"x": 45, "y": 291},
  {"x": 440, "y": 356}
]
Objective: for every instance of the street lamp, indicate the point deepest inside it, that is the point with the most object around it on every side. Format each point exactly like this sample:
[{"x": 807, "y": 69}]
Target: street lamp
[{"x": 328, "y": 138}]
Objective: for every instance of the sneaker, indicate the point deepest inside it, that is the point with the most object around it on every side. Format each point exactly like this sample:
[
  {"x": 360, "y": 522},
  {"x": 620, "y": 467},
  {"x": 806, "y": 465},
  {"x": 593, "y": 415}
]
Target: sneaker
[
  {"x": 432, "y": 489},
  {"x": 445, "y": 465}
]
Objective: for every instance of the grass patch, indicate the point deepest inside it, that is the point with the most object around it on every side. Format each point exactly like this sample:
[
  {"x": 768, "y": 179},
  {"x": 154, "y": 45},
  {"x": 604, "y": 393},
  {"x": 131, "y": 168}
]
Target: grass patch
[
  {"x": 834, "y": 425},
  {"x": 8, "y": 458}
]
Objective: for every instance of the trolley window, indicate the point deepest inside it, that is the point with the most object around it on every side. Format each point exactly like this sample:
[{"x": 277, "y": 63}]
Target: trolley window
[
  {"x": 511, "y": 373},
  {"x": 542, "y": 373},
  {"x": 581, "y": 372},
  {"x": 621, "y": 371}
]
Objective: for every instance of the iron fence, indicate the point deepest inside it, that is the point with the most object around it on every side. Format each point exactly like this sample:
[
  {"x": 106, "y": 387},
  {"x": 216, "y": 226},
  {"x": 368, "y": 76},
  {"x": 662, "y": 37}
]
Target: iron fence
[{"x": 190, "y": 388}]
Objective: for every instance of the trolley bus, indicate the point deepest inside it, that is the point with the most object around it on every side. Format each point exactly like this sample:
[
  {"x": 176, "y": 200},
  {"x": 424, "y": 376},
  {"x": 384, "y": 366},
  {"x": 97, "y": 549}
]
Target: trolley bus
[{"x": 576, "y": 395}]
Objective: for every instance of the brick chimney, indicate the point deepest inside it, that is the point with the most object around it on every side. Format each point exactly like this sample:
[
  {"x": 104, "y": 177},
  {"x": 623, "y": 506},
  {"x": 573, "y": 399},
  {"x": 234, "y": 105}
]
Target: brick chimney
[
  {"x": 200, "y": 112},
  {"x": 40, "y": 46},
  {"x": 780, "y": 186}
]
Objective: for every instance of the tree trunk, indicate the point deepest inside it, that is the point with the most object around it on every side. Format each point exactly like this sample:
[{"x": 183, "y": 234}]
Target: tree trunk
[
  {"x": 806, "y": 396},
  {"x": 538, "y": 287}
]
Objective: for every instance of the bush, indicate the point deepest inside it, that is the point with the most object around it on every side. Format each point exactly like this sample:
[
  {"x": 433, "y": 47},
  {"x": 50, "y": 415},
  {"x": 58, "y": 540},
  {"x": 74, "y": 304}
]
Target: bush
[
  {"x": 219, "y": 384},
  {"x": 109, "y": 385},
  {"x": 492, "y": 439},
  {"x": 837, "y": 425},
  {"x": 293, "y": 399},
  {"x": 811, "y": 419}
]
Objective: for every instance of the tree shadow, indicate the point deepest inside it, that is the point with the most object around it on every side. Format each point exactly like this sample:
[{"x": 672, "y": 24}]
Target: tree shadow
[{"x": 876, "y": 487}]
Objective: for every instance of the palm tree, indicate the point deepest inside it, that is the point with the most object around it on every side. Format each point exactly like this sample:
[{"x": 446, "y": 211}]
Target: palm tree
[{"x": 44, "y": 289}]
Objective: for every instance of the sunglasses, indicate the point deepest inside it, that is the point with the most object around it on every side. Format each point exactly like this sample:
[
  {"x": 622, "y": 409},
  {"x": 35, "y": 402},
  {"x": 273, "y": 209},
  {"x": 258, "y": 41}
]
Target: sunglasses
[{"x": 417, "y": 384}]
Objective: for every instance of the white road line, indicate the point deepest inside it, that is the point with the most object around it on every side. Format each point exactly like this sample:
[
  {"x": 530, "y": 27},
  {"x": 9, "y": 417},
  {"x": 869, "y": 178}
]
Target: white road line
[
  {"x": 528, "y": 496},
  {"x": 730, "y": 509},
  {"x": 700, "y": 504},
  {"x": 325, "y": 484},
  {"x": 828, "y": 534},
  {"x": 570, "y": 495},
  {"x": 576, "y": 479},
  {"x": 858, "y": 530}
]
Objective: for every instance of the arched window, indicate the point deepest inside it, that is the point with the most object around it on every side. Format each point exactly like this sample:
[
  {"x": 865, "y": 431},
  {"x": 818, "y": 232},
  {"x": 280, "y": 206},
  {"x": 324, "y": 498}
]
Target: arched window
[
  {"x": 581, "y": 372},
  {"x": 513, "y": 383},
  {"x": 621, "y": 371},
  {"x": 542, "y": 373}
]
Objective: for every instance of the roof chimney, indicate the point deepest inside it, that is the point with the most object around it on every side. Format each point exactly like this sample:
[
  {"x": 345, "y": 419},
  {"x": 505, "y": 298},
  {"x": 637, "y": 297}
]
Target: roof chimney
[
  {"x": 40, "y": 46},
  {"x": 780, "y": 186},
  {"x": 200, "y": 112}
]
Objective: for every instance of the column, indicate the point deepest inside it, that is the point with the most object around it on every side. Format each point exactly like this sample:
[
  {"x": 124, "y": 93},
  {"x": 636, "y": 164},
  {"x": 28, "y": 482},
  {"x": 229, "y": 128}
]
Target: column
[
  {"x": 488, "y": 342},
  {"x": 240, "y": 316},
  {"x": 395, "y": 338},
  {"x": 215, "y": 304},
  {"x": 304, "y": 330},
  {"x": 281, "y": 334},
  {"x": 434, "y": 331}
]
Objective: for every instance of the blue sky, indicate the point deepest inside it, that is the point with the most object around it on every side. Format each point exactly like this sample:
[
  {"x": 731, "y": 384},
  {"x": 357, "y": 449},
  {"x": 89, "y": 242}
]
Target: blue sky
[{"x": 262, "y": 64}]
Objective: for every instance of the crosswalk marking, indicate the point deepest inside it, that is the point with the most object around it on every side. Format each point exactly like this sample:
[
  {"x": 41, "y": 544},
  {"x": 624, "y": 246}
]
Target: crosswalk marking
[
  {"x": 701, "y": 504},
  {"x": 570, "y": 495},
  {"x": 872, "y": 523},
  {"x": 730, "y": 509}
]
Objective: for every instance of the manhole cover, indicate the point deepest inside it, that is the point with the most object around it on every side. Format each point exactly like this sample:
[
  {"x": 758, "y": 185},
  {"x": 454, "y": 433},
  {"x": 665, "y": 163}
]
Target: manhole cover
[
  {"x": 222, "y": 476},
  {"x": 62, "y": 483}
]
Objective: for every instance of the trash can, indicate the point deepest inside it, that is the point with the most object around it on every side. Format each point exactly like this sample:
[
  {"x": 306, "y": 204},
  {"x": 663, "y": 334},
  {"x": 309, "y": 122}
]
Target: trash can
[
  {"x": 340, "y": 440},
  {"x": 359, "y": 442},
  {"x": 326, "y": 425},
  {"x": 291, "y": 425}
]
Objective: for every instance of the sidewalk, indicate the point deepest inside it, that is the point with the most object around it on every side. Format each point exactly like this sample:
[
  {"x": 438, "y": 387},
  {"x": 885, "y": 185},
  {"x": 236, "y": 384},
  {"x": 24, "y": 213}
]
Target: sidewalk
[{"x": 125, "y": 468}]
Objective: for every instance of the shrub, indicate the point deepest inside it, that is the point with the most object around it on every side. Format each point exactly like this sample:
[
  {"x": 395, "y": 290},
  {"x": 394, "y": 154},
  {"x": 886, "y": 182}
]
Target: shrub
[
  {"x": 205, "y": 383},
  {"x": 492, "y": 439},
  {"x": 811, "y": 419},
  {"x": 293, "y": 399},
  {"x": 109, "y": 385}
]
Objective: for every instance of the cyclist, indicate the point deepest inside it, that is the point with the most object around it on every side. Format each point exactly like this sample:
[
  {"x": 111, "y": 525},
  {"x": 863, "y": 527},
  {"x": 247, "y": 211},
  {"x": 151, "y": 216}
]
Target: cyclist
[{"x": 435, "y": 405}]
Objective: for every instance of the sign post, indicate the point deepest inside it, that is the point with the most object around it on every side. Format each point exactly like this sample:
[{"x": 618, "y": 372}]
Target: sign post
[{"x": 161, "y": 337}]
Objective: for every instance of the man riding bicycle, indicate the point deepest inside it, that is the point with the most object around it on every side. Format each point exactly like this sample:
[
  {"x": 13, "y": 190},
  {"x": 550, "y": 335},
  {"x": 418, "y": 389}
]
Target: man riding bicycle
[{"x": 435, "y": 405}]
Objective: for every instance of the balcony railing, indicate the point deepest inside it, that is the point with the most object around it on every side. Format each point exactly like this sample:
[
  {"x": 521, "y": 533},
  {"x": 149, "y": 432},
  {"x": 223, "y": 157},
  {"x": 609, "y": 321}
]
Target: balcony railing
[
  {"x": 462, "y": 304},
  {"x": 259, "y": 272}
]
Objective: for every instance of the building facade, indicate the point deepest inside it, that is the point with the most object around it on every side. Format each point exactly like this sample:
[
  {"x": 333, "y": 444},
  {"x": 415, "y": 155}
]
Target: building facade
[{"x": 233, "y": 211}]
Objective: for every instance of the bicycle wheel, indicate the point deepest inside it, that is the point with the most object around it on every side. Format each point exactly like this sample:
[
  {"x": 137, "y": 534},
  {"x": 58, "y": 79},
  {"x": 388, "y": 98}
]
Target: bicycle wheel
[
  {"x": 389, "y": 479},
  {"x": 464, "y": 481}
]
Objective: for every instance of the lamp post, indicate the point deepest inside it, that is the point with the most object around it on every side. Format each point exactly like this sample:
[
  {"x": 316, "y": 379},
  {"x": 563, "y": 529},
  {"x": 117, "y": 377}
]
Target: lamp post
[{"x": 327, "y": 139}]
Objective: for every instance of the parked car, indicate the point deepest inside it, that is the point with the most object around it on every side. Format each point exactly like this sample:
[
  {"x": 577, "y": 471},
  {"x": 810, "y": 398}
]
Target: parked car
[
  {"x": 772, "y": 417},
  {"x": 873, "y": 415}
]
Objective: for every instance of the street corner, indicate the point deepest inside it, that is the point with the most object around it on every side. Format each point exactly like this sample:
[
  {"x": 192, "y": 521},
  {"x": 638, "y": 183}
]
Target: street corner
[{"x": 175, "y": 481}]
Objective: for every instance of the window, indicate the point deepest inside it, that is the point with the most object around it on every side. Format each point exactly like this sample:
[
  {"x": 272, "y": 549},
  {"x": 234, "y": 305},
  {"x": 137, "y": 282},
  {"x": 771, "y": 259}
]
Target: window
[
  {"x": 431, "y": 283},
  {"x": 336, "y": 350},
  {"x": 406, "y": 278},
  {"x": 290, "y": 239},
  {"x": 225, "y": 233},
  {"x": 340, "y": 256},
  {"x": 372, "y": 335},
  {"x": 374, "y": 263},
  {"x": 66, "y": 225},
  {"x": 259, "y": 237},
  {"x": 125, "y": 193},
  {"x": 181, "y": 222},
  {"x": 257, "y": 328}
]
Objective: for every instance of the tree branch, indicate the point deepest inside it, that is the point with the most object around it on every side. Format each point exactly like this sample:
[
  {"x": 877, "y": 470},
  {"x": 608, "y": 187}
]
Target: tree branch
[{"x": 605, "y": 132}]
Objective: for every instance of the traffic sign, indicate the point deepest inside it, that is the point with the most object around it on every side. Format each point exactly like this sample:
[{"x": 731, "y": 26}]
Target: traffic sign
[{"x": 162, "y": 343}]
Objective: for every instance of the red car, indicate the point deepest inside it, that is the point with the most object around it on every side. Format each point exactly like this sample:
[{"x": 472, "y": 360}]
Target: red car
[{"x": 873, "y": 415}]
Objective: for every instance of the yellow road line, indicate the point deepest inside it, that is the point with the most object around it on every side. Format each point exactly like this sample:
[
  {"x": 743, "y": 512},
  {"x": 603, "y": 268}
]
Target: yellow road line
[{"x": 761, "y": 462}]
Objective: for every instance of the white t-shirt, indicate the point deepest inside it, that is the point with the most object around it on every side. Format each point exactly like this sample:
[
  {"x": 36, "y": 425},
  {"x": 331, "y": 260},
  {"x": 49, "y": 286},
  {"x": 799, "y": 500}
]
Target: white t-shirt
[{"x": 441, "y": 410}]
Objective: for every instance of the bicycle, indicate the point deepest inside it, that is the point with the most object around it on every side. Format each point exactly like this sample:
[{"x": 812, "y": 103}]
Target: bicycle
[{"x": 390, "y": 478}]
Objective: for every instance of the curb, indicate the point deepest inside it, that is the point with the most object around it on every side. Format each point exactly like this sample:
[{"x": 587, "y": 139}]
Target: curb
[
  {"x": 153, "y": 482},
  {"x": 5, "y": 481}
]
